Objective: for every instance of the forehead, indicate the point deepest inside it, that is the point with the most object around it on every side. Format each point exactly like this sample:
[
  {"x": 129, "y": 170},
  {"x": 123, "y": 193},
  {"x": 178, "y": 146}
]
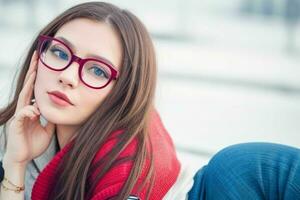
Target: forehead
[{"x": 92, "y": 37}]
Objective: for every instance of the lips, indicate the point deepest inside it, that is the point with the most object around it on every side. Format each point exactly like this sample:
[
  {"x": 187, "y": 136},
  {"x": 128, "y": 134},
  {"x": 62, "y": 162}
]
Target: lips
[{"x": 61, "y": 95}]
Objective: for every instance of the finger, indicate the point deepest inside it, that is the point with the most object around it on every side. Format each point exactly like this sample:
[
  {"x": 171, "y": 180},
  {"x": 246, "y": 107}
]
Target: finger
[
  {"x": 35, "y": 109},
  {"x": 32, "y": 109},
  {"x": 29, "y": 95},
  {"x": 26, "y": 93},
  {"x": 32, "y": 66},
  {"x": 34, "y": 118},
  {"x": 22, "y": 115},
  {"x": 35, "y": 106}
]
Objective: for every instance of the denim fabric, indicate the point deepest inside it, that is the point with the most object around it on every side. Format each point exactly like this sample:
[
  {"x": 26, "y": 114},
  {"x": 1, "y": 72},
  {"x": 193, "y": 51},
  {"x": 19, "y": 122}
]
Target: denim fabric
[{"x": 250, "y": 171}]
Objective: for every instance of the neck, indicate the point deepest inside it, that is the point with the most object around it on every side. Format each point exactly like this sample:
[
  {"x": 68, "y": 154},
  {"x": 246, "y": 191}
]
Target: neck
[{"x": 65, "y": 134}]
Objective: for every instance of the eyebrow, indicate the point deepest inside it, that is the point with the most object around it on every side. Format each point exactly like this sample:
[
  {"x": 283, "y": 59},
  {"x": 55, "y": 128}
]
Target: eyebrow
[{"x": 89, "y": 55}]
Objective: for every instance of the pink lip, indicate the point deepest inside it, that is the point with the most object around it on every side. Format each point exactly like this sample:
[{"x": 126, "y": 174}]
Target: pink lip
[{"x": 59, "y": 98}]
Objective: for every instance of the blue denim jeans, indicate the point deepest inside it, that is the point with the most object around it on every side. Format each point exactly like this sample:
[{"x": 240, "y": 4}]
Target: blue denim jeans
[{"x": 250, "y": 171}]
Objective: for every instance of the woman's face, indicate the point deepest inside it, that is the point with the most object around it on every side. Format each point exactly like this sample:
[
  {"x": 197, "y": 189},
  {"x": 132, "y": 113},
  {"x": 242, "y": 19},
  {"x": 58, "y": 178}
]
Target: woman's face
[{"x": 87, "y": 37}]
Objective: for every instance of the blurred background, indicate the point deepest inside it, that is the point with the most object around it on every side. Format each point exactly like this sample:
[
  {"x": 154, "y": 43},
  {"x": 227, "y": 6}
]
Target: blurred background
[{"x": 229, "y": 71}]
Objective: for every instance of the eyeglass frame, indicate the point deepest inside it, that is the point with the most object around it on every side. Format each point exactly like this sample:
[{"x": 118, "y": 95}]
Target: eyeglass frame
[{"x": 77, "y": 59}]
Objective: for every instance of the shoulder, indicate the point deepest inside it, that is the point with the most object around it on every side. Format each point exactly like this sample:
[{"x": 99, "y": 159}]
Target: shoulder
[
  {"x": 166, "y": 166},
  {"x": 111, "y": 183}
]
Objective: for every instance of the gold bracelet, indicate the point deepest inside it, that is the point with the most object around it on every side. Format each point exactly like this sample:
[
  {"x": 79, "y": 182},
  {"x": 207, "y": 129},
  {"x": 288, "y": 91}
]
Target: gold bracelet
[{"x": 17, "y": 189}]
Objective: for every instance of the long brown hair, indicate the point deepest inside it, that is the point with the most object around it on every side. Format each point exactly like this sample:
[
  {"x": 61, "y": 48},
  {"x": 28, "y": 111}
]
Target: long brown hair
[{"x": 127, "y": 107}]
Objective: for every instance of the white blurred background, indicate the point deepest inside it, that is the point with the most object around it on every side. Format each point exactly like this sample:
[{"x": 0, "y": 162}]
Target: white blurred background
[{"x": 229, "y": 71}]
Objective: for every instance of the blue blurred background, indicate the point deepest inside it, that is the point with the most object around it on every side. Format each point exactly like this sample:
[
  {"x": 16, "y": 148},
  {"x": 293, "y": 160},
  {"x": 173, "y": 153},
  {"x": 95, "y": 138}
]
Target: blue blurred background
[{"x": 229, "y": 71}]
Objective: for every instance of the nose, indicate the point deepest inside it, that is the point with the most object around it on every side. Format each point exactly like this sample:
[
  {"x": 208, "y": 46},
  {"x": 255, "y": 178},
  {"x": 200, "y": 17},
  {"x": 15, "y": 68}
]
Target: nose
[{"x": 69, "y": 77}]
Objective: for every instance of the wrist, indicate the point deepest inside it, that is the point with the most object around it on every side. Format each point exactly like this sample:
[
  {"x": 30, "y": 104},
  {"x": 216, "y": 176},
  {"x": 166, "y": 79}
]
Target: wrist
[
  {"x": 14, "y": 172},
  {"x": 11, "y": 164}
]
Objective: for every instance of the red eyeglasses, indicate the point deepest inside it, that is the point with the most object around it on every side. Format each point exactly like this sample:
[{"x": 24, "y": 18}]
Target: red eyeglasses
[{"x": 57, "y": 55}]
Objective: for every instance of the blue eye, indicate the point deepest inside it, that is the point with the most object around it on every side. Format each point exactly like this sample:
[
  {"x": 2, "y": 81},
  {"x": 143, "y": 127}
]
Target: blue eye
[
  {"x": 98, "y": 71},
  {"x": 60, "y": 53}
]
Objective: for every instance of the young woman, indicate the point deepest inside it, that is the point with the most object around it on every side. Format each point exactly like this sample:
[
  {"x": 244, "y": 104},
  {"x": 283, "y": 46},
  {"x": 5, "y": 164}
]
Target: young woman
[
  {"x": 82, "y": 123},
  {"x": 92, "y": 74}
]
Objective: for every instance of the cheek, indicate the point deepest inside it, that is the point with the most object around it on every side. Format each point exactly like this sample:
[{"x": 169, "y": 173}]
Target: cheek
[
  {"x": 41, "y": 78},
  {"x": 45, "y": 76},
  {"x": 92, "y": 99}
]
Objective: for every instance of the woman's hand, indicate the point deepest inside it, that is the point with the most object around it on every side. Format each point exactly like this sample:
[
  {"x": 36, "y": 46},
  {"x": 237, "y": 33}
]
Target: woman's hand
[{"x": 27, "y": 139}]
